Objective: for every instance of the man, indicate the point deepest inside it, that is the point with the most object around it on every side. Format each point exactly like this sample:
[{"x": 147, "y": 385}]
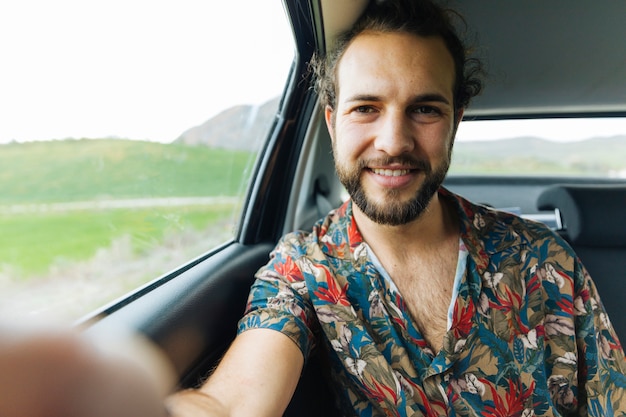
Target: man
[{"x": 425, "y": 303}]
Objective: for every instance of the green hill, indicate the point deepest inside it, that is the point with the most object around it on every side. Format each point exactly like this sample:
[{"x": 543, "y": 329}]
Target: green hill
[
  {"x": 535, "y": 156},
  {"x": 84, "y": 170},
  {"x": 33, "y": 241}
]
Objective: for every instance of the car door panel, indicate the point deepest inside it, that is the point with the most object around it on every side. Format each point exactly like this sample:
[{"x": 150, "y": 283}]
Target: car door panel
[{"x": 192, "y": 316}]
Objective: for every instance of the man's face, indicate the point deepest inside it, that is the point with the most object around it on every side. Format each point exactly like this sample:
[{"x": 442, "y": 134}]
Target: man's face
[{"x": 393, "y": 125}]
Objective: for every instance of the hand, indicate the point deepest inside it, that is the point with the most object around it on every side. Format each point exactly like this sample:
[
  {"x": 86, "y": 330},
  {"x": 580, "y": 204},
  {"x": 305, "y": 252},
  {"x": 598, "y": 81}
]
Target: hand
[{"x": 54, "y": 373}]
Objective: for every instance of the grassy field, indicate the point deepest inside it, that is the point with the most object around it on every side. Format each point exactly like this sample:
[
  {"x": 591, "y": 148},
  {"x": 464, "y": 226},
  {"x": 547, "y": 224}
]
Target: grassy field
[
  {"x": 79, "y": 170},
  {"x": 33, "y": 241},
  {"x": 103, "y": 170}
]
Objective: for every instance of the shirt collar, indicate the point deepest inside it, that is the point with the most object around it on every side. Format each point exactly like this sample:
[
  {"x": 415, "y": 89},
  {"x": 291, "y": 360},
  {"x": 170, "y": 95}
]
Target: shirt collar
[{"x": 484, "y": 231}]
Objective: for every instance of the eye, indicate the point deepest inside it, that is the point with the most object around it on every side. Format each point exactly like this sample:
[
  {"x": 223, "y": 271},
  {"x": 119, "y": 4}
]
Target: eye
[
  {"x": 364, "y": 109},
  {"x": 426, "y": 110}
]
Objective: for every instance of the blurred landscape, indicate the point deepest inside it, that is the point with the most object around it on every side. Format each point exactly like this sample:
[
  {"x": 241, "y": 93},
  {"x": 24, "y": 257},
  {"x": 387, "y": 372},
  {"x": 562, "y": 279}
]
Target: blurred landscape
[
  {"x": 101, "y": 217},
  {"x": 595, "y": 157},
  {"x": 92, "y": 219}
]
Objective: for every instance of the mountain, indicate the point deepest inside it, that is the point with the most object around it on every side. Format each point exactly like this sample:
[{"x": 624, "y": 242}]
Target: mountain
[
  {"x": 244, "y": 127},
  {"x": 239, "y": 127},
  {"x": 599, "y": 156}
]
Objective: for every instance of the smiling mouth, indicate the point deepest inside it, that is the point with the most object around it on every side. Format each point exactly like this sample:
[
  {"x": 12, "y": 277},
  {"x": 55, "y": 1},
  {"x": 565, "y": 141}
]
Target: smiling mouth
[{"x": 390, "y": 172}]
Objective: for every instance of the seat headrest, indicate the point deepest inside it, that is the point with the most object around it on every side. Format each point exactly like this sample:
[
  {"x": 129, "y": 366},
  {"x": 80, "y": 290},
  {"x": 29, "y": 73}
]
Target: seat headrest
[{"x": 594, "y": 215}]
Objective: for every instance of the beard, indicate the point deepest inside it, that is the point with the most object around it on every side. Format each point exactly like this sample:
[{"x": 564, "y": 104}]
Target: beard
[{"x": 393, "y": 211}]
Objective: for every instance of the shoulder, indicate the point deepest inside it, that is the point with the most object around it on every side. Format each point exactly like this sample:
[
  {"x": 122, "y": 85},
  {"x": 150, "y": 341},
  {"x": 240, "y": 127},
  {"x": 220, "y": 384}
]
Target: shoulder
[
  {"x": 328, "y": 235},
  {"x": 498, "y": 228}
]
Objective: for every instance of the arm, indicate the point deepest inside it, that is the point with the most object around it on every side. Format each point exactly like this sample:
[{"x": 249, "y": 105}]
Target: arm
[
  {"x": 260, "y": 371},
  {"x": 60, "y": 373},
  {"x": 257, "y": 377}
]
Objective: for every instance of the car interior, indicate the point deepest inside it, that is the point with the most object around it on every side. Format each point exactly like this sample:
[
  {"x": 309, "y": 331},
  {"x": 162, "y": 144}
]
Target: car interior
[{"x": 557, "y": 59}]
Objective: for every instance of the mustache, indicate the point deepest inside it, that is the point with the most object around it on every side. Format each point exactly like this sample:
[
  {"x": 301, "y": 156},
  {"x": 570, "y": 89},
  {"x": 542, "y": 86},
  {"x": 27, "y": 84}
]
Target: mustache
[{"x": 406, "y": 161}]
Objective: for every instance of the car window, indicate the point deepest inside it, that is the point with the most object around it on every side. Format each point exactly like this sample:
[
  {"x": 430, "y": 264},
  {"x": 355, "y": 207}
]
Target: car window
[
  {"x": 561, "y": 147},
  {"x": 128, "y": 138}
]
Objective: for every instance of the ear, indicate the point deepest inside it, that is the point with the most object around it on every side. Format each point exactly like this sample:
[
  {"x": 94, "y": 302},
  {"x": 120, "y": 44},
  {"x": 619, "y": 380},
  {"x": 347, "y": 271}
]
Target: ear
[
  {"x": 458, "y": 117},
  {"x": 330, "y": 121}
]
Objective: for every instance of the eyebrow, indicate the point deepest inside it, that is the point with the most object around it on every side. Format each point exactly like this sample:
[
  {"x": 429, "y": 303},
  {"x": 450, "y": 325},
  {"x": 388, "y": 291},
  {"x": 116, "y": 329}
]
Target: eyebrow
[{"x": 420, "y": 98}]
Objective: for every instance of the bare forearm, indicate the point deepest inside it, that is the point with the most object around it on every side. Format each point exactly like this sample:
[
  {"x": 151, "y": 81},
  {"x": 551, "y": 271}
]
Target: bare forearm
[{"x": 257, "y": 377}]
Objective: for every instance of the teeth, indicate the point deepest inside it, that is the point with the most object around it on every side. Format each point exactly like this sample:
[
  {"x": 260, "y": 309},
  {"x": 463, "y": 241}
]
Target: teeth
[{"x": 390, "y": 172}]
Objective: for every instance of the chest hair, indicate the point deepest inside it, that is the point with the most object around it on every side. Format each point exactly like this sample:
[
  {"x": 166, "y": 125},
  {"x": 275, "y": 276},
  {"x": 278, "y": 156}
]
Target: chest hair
[{"x": 426, "y": 282}]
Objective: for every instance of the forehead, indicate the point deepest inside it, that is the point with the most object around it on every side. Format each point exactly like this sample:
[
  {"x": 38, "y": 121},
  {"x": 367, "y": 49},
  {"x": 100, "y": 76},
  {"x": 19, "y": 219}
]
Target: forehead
[{"x": 397, "y": 61}]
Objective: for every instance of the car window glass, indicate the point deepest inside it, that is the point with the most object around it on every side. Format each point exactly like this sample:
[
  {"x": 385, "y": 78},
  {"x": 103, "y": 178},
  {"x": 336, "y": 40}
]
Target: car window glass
[
  {"x": 128, "y": 136},
  {"x": 564, "y": 147}
]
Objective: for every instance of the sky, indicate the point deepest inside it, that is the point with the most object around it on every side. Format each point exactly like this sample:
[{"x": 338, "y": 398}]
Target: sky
[
  {"x": 151, "y": 69},
  {"x": 137, "y": 69},
  {"x": 557, "y": 130}
]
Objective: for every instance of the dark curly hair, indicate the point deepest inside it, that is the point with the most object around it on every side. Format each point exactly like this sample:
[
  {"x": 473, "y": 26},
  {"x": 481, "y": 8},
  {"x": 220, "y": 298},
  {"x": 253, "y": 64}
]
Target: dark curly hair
[{"x": 419, "y": 17}]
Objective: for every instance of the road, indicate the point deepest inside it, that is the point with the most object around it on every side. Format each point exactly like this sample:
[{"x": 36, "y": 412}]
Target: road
[{"x": 116, "y": 204}]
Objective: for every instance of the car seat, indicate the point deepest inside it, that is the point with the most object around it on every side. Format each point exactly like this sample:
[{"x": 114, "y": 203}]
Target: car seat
[{"x": 593, "y": 221}]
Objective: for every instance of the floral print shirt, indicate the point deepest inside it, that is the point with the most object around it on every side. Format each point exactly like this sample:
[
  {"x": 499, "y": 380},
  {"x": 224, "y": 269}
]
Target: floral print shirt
[{"x": 529, "y": 335}]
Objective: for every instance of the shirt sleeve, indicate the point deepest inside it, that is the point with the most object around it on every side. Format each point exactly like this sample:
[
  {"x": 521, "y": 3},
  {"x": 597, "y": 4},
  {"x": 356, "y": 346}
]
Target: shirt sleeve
[
  {"x": 279, "y": 299},
  {"x": 602, "y": 365}
]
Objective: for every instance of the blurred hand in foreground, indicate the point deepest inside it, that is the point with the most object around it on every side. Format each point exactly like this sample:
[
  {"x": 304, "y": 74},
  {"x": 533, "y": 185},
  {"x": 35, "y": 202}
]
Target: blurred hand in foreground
[{"x": 54, "y": 373}]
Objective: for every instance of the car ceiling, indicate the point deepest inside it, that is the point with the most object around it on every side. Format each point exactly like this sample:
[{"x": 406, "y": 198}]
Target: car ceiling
[{"x": 543, "y": 58}]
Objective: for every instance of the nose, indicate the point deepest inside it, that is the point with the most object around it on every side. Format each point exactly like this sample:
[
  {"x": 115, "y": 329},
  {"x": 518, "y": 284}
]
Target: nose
[{"x": 394, "y": 136}]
